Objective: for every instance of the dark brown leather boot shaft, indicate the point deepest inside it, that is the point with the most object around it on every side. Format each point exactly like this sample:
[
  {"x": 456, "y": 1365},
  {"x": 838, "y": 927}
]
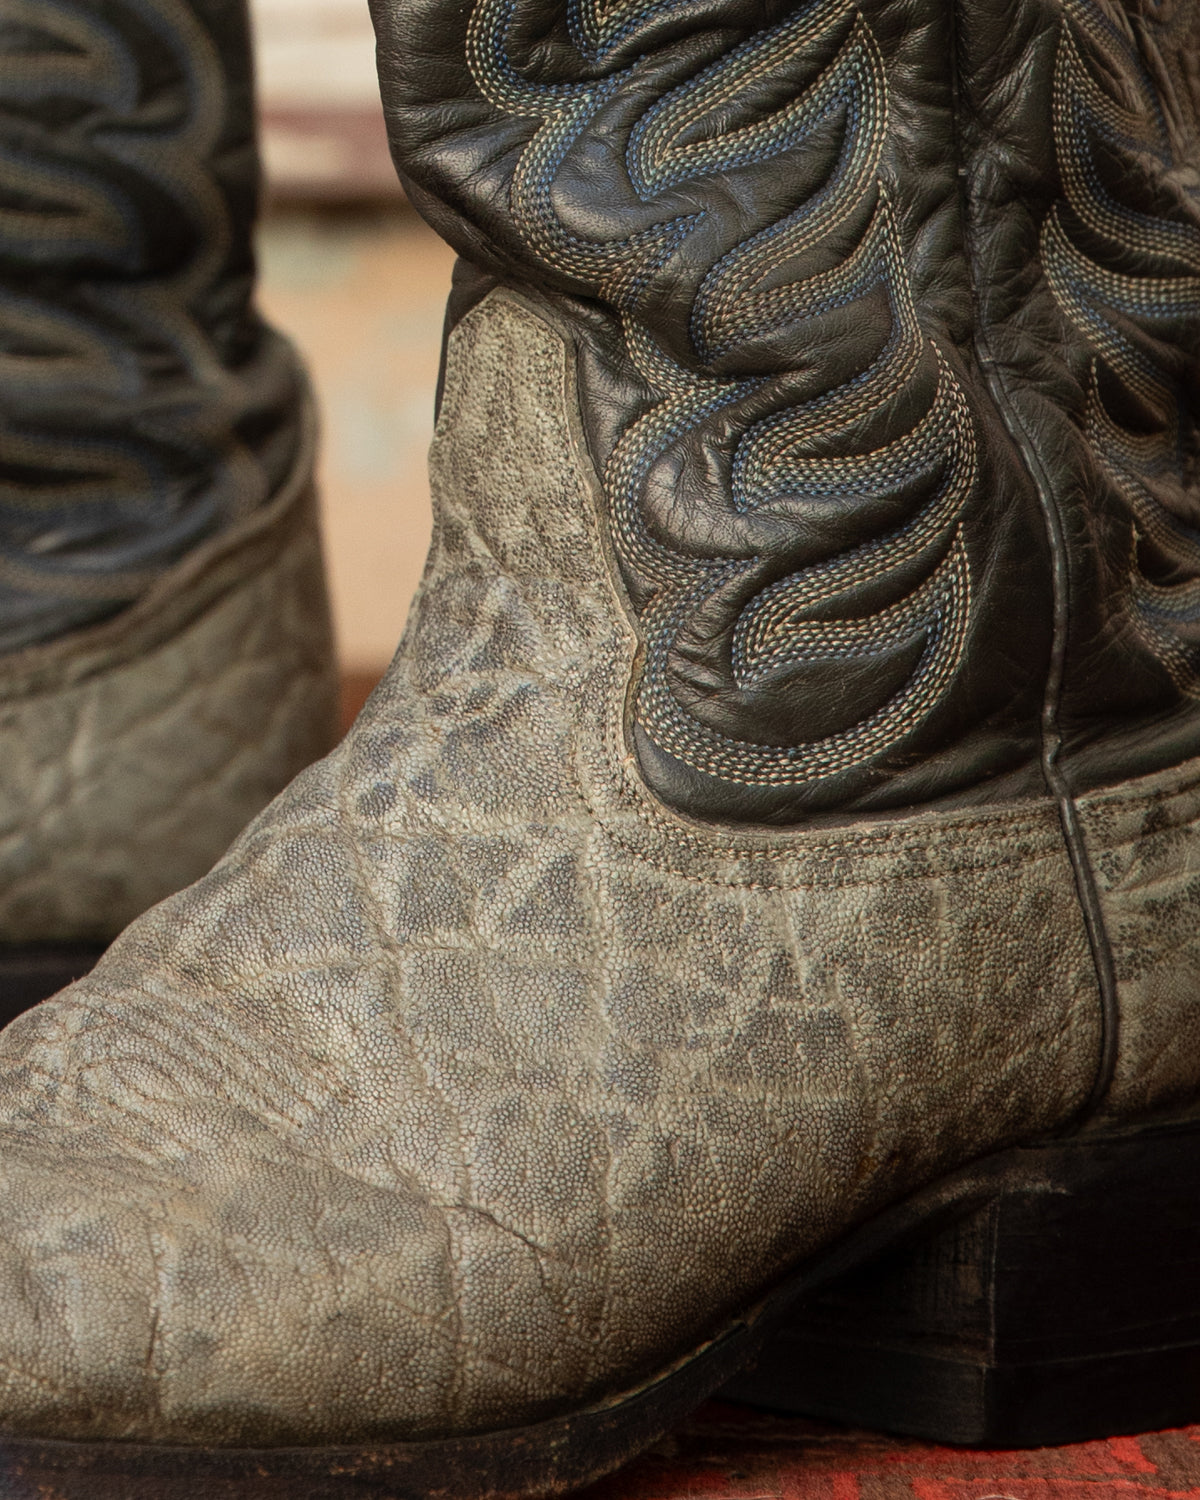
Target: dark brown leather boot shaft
[
  {"x": 1081, "y": 153},
  {"x": 166, "y": 662},
  {"x": 887, "y": 337},
  {"x": 144, "y": 407}
]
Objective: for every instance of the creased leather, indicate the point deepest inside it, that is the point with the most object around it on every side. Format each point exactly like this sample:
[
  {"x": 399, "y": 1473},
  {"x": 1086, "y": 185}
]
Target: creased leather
[
  {"x": 144, "y": 406},
  {"x": 1080, "y": 138},
  {"x": 475, "y": 1082},
  {"x": 133, "y": 752},
  {"x": 1143, "y": 838}
]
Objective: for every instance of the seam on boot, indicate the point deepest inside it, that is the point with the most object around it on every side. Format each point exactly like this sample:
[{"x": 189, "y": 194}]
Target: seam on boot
[{"x": 1081, "y": 865}]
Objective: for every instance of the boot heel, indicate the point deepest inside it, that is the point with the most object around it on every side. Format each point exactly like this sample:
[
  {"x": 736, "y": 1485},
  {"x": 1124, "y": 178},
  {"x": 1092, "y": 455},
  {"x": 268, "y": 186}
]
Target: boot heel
[{"x": 1066, "y": 1309}]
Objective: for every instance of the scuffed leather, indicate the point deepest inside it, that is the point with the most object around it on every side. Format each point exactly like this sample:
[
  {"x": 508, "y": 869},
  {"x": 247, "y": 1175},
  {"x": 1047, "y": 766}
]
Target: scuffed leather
[
  {"x": 836, "y": 559},
  {"x": 144, "y": 406},
  {"x": 132, "y": 753},
  {"x": 474, "y": 1082}
]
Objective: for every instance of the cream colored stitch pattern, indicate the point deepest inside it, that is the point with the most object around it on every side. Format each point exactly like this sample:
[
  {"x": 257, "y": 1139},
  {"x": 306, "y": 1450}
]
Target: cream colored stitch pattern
[
  {"x": 1131, "y": 321},
  {"x": 791, "y": 451}
]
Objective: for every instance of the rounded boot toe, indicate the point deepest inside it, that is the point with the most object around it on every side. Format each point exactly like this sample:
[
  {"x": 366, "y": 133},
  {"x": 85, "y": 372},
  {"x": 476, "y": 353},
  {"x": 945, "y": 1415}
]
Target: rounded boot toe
[{"x": 78, "y": 1309}]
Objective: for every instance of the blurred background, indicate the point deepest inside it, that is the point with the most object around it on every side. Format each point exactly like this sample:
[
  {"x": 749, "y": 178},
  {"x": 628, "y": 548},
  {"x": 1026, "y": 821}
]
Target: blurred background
[{"x": 357, "y": 280}]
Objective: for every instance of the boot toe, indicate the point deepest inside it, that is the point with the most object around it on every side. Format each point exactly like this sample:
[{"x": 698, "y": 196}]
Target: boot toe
[
  {"x": 242, "y": 1294},
  {"x": 78, "y": 1307}
]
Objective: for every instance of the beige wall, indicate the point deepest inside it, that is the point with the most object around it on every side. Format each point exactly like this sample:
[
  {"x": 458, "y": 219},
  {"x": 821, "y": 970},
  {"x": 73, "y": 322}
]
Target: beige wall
[
  {"x": 361, "y": 289},
  {"x": 322, "y": 125},
  {"x": 362, "y": 293}
]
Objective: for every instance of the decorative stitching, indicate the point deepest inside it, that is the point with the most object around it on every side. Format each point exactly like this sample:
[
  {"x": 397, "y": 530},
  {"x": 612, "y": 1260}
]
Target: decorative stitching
[
  {"x": 1102, "y": 304},
  {"x": 712, "y": 124}
]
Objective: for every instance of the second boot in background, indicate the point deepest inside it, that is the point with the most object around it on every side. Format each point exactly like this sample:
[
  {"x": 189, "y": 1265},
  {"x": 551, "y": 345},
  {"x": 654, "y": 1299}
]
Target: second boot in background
[{"x": 165, "y": 648}]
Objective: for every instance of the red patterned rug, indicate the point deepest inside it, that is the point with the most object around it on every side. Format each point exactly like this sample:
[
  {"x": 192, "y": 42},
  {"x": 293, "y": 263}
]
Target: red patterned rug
[{"x": 728, "y": 1453}]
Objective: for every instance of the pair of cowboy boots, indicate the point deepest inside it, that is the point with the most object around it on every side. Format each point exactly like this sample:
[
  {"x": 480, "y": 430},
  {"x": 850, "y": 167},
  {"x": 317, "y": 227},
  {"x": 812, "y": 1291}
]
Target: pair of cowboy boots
[{"x": 775, "y": 840}]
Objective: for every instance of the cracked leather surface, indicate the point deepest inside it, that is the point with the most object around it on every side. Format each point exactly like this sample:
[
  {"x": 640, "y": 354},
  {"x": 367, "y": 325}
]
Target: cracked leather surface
[
  {"x": 474, "y": 1081},
  {"x": 144, "y": 406},
  {"x": 131, "y": 753}
]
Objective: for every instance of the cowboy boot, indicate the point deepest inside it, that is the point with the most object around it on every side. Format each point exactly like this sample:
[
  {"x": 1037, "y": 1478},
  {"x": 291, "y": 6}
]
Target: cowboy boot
[
  {"x": 774, "y": 835},
  {"x": 165, "y": 662}
]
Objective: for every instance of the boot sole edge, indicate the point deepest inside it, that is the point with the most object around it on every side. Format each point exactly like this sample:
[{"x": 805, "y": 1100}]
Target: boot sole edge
[{"x": 554, "y": 1456}]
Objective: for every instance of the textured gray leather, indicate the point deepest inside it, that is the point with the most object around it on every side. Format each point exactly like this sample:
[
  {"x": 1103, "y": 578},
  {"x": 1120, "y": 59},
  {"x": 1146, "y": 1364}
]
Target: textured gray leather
[
  {"x": 1143, "y": 839},
  {"x": 131, "y": 753},
  {"x": 473, "y": 1082}
]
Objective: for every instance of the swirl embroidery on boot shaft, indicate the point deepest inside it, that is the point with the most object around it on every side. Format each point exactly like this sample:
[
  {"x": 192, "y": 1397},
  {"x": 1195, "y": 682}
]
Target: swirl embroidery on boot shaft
[
  {"x": 1131, "y": 319},
  {"x": 121, "y": 412},
  {"x": 905, "y": 592}
]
